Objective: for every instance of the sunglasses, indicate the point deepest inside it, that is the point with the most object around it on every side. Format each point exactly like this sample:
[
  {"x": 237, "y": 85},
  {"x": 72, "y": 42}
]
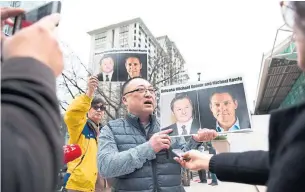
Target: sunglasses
[{"x": 96, "y": 107}]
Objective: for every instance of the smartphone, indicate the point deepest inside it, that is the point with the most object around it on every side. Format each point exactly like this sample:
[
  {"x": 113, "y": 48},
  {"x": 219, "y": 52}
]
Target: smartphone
[
  {"x": 35, "y": 15},
  {"x": 178, "y": 153}
]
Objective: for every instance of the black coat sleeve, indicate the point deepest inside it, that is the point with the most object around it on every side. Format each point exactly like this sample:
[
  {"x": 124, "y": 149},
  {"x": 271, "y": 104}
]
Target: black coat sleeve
[
  {"x": 250, "y": 167},
  {"x": 30, "y": 119}
]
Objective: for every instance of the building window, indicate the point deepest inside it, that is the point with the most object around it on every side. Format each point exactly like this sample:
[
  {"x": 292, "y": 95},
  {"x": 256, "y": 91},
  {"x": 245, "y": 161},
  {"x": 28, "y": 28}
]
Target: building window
[
  {"x": 100, "y": 46},
  {"x": 134, "y": 44},
  {"x": 124, "y": 29},
  {"x": 100, "y": 40},
  {"x": 139, "y": 45},
  {"x": 135, "y": 25},
  {"x": 124, "y": 42},
  {"x": 124, "y": 36},
  {"x": 102, "y": 35}
]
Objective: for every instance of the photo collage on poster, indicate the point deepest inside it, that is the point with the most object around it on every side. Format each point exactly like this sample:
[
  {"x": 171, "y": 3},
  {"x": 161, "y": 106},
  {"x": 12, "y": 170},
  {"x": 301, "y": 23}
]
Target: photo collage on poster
[
  {"x": 220, "y": 105},
  {"x": 118, "y": 65}
]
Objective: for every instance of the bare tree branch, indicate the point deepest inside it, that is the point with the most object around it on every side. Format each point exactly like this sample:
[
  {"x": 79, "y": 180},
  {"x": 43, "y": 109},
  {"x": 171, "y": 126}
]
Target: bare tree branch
[
  {"x": 74, "y": 83},
  {"x": 173, "y": 75},
  {"x": 110, "y": 115},
  {"x": 60, "y": 104},
  {"x": 67, "y": 86},
  {"x": 111, "y": 103}
]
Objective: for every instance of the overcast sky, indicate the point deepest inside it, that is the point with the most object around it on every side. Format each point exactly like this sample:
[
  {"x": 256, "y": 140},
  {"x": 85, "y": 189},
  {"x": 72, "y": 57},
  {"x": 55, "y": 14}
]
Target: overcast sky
[{"x": 216, "y": 38}]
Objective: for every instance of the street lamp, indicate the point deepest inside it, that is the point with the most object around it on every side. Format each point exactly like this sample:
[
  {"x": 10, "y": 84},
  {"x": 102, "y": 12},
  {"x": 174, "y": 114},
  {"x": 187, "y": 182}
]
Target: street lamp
[{"x": 198, "y": 76}]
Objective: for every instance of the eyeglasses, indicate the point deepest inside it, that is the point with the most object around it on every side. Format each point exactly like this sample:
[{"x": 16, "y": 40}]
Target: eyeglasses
[
  {"x": 97, "y": 107},
  {"x": 142, "y": 90},
  {"x": 288, "y": 13}
]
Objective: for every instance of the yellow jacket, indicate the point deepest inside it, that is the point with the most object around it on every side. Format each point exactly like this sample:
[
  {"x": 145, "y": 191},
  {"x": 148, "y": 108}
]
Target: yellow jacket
[{"x": 82, "y": 172}]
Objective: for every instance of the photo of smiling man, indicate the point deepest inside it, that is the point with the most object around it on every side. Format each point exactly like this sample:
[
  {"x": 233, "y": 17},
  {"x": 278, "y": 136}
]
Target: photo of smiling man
[
  {"x": 132, "y": 64},
  {"x": 224, "y": 108}
]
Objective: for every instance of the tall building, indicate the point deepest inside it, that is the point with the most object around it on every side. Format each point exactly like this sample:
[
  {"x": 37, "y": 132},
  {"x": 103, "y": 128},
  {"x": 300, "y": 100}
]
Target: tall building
[
  {"x": 178, "y": 63},
  {"x": 26, "y": 5},
  {"x": 281, "y": 82},
  {"x": 135, "y": 34}
]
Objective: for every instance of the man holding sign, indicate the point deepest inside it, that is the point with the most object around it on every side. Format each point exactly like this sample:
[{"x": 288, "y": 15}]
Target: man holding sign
[{"x": 136, "y": 152}]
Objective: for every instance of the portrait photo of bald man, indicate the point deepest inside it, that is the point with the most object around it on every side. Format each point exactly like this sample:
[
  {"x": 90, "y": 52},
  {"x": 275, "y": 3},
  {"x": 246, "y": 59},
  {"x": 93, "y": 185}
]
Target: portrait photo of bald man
[
  {"x": 224, "y": 108},
  {"x": 132, "y": 65},
  {"x": 185, "y": 112}
]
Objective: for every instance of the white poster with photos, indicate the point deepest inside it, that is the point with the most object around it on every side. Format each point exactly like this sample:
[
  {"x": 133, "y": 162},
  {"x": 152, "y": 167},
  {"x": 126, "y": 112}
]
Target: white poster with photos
[
  {"x": 220, "y": 105},
  {"x": 118, "y": 65}
]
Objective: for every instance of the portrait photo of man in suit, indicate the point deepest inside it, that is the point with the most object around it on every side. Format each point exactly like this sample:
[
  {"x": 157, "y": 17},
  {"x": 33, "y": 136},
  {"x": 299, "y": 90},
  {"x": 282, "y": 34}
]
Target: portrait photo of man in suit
[
  {"x": 182, "y": 109},
  {"x": 223, "y": 106},
  {"x": 107, "y": 70}
]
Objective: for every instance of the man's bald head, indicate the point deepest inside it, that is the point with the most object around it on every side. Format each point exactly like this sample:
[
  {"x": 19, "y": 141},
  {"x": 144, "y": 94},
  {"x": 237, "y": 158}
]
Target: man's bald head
[
  {"x": 139, "y": 97},
  {"x": 126, "y": 84}
]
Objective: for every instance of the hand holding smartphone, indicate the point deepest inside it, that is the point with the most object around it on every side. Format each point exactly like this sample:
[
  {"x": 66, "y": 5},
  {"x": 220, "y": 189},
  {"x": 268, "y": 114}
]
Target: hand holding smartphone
[
  {"x": 178, "y": 153},
  {"x": 35, "y": 15}
]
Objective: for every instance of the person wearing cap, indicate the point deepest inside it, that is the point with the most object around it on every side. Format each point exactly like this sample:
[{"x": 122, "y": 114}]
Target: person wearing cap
[
  {"x": 281, "y": 168},
  {"x": 83, "y": 118}
]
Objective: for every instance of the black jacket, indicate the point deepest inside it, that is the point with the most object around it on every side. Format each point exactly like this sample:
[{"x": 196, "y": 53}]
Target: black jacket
[
  {"x": 281, "y": 168},
  {"x": 31, "y": 146}
]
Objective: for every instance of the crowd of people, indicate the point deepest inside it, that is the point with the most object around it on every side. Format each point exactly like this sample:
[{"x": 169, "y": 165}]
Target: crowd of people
[{"x": 131, "y": 153}]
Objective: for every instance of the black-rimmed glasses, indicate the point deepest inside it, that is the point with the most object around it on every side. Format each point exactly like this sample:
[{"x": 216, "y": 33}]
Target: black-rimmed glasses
[{"x": 142, "y": 90}]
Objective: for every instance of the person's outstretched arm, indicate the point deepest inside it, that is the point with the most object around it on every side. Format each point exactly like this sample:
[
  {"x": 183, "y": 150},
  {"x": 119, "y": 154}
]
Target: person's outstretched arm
[
  {"x": 30, "y": 118},
  {"x": 251, "y": 167}
]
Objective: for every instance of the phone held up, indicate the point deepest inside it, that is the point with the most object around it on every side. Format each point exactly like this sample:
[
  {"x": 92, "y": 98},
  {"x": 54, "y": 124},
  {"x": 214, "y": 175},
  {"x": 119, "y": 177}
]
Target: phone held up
[{"x": 35, "y": 15}]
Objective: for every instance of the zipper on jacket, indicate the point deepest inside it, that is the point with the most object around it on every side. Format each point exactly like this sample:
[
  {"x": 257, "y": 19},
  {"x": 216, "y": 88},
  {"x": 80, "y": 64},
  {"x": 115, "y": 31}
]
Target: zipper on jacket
[
  {"x": 153, "y": 165},
  {"x": 153, "y": 162}
]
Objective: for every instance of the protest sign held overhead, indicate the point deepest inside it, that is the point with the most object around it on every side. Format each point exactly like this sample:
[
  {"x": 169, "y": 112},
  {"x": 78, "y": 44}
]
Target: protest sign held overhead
[
  {"x": 220, "y": 105},
  {"x": 118, "y": 65}
]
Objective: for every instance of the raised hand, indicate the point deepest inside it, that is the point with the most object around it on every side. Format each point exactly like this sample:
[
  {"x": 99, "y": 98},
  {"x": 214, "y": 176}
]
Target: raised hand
[
  {"x": 204, "y": 135},
  {"x": 194, "y": 160},
  {"x": 160, "y": 140},
  {"x": 92, "y": 85}
]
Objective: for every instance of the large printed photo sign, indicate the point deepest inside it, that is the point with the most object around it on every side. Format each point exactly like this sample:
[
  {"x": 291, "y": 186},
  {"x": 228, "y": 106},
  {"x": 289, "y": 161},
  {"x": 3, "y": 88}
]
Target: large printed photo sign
[
  {"x": 118, "y": 65},
  {"x": 220, "y": 105}
]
